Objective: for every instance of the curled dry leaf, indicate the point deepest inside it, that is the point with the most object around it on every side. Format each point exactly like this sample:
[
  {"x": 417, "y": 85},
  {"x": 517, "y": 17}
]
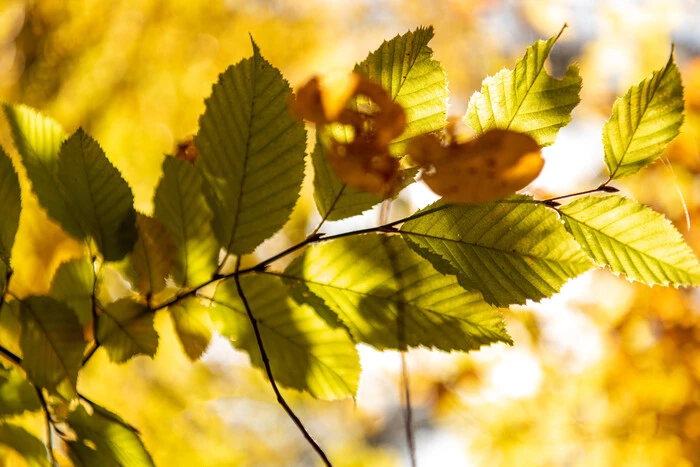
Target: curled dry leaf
[
  {"x": 364, "y": 165},
  {"x": 187, "y": 151},
  {"x": 487, "y": 168},
  {"x": 365, "y": 161}
]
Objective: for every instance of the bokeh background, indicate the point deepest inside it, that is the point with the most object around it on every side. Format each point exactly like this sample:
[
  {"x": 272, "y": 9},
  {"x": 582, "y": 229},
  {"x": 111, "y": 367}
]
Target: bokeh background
[{"x": 605, "y": 373}]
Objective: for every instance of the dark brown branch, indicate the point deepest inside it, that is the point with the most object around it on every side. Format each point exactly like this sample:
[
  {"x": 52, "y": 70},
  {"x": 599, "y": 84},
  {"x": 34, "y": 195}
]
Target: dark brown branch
[
  {"x": 268, "y": 371},
  {"x": 49, "y": 424},
  {"x": 10, "y": 356}
]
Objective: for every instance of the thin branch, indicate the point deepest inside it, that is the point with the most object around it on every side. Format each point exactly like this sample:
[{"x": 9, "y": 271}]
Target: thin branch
[
  {"x": 49, "y": 424},
  {"x": 268, "y": 370},
  {"x": 10, "y": 356},
  {"x": 602, "y": 188},
  {"x": 408, "y": 411}
]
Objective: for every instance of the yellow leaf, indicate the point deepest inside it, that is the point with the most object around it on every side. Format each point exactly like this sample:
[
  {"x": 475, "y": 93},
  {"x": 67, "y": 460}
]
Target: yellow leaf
[{"x": 487, "y": 168}]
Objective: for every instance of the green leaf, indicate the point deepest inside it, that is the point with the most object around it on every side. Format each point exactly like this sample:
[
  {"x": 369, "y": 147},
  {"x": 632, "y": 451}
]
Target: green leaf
[
  {"x": 153, "y": 254},
  {"x": 631, "y": 239},
  {"x": 52, "y": 342},
  {"x": 390, "y": 297},
  {"x": 73, "y": 285},
  {"x": 251, "y": 153},
  {"x": 180, "y": 205},
  {"x": 405, "y": 68},
  {"x": 25, "y": 444},
  {"x": 10, "y": 326},
  {"x": 192, "y": 326},
  {"x": 125, "y": 329},
  {"x": 509, "y": 250},
  {"x": 104, "y": 439},
  {"x": 10, "y": 200},
  {"x": 527, "y": 99},
  {"x": 38, "y": 140},
  {"x": 17, "y": 395},
  {"x": 97, "y": 195},
  {"x": 644, "y": 121},
  {"x": 334, "y": 199},
  {"x": 305, "y": 353}
]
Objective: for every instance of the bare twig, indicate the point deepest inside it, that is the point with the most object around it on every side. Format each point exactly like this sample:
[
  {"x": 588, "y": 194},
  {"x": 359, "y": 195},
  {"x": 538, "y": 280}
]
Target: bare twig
[
  {"x": 268, "y": 371},
  {"x": 49, "y": 424}
]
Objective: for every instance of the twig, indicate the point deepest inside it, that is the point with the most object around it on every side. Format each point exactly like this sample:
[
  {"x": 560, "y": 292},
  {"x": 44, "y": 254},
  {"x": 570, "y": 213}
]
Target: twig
[
  {"x": 49, "y": 424},
  {"x": 408, "y": 411},
  {"x": 602, "y": 188},
  {"x": 268, "y": 370},
  {"x": 10, "y": 356}
]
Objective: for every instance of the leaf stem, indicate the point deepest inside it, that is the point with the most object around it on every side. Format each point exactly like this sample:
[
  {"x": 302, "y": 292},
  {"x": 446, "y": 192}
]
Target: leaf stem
[
  {"x": 552, "y": 202},
  {"x": 268, "y": 370}
]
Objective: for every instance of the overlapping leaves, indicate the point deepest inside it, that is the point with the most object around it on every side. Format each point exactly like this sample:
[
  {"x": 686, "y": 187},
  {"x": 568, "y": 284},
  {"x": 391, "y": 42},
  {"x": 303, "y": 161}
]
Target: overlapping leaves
[{"x": 510, "y": 250}]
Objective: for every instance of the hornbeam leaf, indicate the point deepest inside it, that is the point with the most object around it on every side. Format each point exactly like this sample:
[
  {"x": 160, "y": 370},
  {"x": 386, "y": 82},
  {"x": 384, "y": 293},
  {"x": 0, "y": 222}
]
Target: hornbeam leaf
[
  {"x": 17, "y": 395},
  {"x": 52, "y": 342},
  {"x": 180, "y": 205},
  {"x": 192, "y": 326},
  {"x": 405, "y": 68},
  {"x": 38, "y": 140},
  {"x": 104, "y": 439},
  {"x": 125, "y": 329},
  {"x": 251, "y": 153},
  {"x": 73, "y": 285},
  {"x": 10, "y": 200},
  {"x": 527, "y": 99},
  {"x": 644, "y": 121},
  {"x": 98, "y": 196},
  {"x": 305, "y": 353},
  {"x": 25, "y": 444},
  {"x": 153, "y": 254},
  {"x": 509, "y": 250},
  {"x": 390, "y": 297},
  {"x": 631, "y": 239}
]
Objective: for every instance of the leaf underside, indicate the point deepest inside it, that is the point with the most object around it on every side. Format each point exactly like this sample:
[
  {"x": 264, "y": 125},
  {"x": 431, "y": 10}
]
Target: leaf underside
[
  {"x": 125, "y": 329},
  {"x": 73, "y": 285},
  {"x": 192, "y": 325},
  {"x": 10, "y": 201}
]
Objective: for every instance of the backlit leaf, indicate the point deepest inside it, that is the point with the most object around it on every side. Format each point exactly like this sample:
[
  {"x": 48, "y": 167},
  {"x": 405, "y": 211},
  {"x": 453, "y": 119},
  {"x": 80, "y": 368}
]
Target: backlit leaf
[
  {"x": 644, "y": 121},
  {"x": 404, "y": 66},
  {"x": 510, "y": 250},
  {"x": 104, "y": 439},
  {"x": 153, "y": 254},
  {"x": 98, "y": 196},
  {"x": 11, "y": 205},
  {"x": 17, "y": 395},
  {"x": 251, "y": 153},
  {"x": 38, "y": 140},
  {"x": 192, "y": 326},
  {"x": 25, "y": 444},
  {"x": 489, "y": 167},
  {"x": 527, "y": 99},
  {"x": 73, "y": 285},
  {"x": 631, "y": 239},
  {"x": 180, "y": 205},
  {"x": 304, "y": 351},
  {"x": 390, "y": 297},
  {"x": 125, "y": 329},
  {"x": 52, "y": 342}
]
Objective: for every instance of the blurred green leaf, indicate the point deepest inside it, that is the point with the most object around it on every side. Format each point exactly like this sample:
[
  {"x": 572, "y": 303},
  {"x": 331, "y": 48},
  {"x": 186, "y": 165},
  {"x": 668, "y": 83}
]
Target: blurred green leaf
[
  {"x": 644, "y": 121},
  {"x": 381, "y": 290},
  {"x": 631, "y": 239},
  {"x": 527, "y": 99},
  {"x": 251, "y": 153},
  {"x": 10, "y": 200},
  {"x": 153, "y": 253},
  {"x": 125, "y": 329},
  {"x": 104, "y": 439},
  {"x": 52, "y": 342},
  {"x": 405, "y": 68},
  {"x": 97, "y": 195},
  {"x": 25, "y": 444},
  {"x": 73, "y": 285},
  {"x": 192, "y": 325},
  {"x": 509, "y": 250},
  {"x": 305, "y": 353},
  {"x": 180, "y": 206},
  {"x": 17, "y": 395}
]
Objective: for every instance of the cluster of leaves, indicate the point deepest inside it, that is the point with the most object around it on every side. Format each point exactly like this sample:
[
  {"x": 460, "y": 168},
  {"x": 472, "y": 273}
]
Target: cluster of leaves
[{"x": 434, "y": 279}]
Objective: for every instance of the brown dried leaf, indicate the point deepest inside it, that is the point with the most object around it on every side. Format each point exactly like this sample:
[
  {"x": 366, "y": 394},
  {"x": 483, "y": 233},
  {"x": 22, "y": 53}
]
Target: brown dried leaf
[
  {"x": 187, "y": 151},
  {"x": 323, "y": 99},
  {"x": 363, "y": 165},
  {"x": 487, "y": 168}
]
